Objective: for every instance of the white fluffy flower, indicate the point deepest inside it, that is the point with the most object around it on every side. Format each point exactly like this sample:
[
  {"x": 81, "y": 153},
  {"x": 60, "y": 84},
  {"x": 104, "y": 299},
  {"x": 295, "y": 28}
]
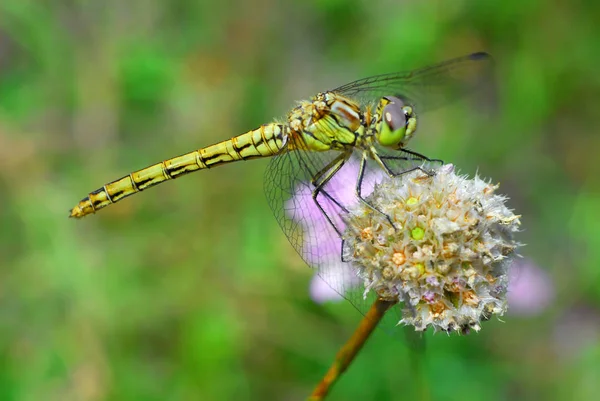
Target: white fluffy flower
[{"x": 446, "y": 255}]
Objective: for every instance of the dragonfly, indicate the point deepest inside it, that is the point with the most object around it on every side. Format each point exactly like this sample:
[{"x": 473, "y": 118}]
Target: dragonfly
[{"x": 359, "y": 127}]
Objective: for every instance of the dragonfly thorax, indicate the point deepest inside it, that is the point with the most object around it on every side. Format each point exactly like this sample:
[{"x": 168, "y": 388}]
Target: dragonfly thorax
[
  {"x": 346, "y": 112},
  {"x": 327, "y": 122}
]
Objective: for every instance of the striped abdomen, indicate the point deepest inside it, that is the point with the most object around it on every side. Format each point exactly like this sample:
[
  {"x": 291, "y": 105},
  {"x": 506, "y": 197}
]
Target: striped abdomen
[{"x": 261, "y": 142}]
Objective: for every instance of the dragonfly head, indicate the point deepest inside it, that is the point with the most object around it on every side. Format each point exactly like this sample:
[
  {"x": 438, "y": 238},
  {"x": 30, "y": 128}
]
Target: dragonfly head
[{"x": 396, "y": 124}]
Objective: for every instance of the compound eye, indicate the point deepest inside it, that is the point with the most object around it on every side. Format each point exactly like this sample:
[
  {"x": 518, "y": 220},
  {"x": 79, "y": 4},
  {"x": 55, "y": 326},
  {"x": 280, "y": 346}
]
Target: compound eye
[
  {"x": 393, "y": 114},
  {"x": 393, "y": 123}
]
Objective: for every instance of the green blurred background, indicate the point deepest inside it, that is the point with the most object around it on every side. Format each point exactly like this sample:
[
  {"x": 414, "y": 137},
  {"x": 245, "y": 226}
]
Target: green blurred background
[{"x": 191, "y": 291}]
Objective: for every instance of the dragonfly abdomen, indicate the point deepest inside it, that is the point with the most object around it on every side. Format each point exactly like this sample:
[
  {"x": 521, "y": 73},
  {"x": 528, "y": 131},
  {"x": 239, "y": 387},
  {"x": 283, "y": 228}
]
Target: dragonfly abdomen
[{"x": 264, "y": 141}]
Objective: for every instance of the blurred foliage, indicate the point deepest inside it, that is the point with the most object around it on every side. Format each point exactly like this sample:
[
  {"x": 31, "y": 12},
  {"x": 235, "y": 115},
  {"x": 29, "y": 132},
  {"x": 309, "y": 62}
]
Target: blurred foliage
[{"x": 190, "y": 291}]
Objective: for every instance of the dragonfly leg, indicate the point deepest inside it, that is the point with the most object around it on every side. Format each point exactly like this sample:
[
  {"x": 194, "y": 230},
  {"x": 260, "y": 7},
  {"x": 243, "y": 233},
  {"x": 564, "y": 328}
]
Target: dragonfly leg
[
  {"x": 319, "y": 181},
  {"x": 425, "y": 158},
  {"x": 317, "y": 177},
  {"x": 414, "y": 156},
  {"x": 331, "y": 198},
  {"x": 359, "y": 181},
  {"x": 342, "y": 252},
  {"x": 395, "y": 174},
  {"x": 422, "y": 157}
]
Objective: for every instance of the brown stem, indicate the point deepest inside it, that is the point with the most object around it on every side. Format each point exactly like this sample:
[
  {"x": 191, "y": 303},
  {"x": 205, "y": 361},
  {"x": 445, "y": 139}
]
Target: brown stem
[{"x": 346, "y": 354}]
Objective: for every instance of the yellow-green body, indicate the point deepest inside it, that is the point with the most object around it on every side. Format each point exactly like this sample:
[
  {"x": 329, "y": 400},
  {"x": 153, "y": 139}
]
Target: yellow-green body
[{"x": 328, "y": 122}]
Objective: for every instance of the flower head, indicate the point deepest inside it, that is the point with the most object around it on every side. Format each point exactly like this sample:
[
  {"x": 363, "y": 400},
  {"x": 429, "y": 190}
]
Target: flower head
[{"x": 440, "y": 243}]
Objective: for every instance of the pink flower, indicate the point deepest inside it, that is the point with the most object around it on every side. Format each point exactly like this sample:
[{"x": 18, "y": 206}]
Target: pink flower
[
  {"x": 530, "y": 289},
  {"x": 321, "y": 292}
]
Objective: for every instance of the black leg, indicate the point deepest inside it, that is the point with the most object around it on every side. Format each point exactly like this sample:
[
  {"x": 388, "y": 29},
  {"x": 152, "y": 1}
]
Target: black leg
[
  {"x": 404, "y": 158},
  {"x": 331, "y": 169},
  {"x": 331, "y": 198},
  {"x": 415, "y": 156},
  {"x": 410, "y": 152},
  {"x": 361, "y": 176},
  {"x": 395, "y": 174}
]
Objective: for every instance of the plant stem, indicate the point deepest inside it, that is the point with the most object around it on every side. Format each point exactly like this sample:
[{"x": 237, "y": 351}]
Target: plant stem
[
  {"x": 346, "y": 354},
  {"x": 416, "y": 343}
]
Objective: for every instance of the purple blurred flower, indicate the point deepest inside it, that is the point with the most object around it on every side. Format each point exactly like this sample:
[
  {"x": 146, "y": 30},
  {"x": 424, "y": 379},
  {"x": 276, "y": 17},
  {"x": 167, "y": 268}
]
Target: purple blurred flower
[
  {"x": 322, "y": 246},
  {"x": 530, "y": 289},
  {"x": 321, "y": 292}
]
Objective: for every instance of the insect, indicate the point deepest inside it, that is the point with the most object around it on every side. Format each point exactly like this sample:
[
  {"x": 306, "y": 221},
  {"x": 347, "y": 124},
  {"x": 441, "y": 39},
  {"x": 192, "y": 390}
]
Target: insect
[{"x": 364, "y": 123}]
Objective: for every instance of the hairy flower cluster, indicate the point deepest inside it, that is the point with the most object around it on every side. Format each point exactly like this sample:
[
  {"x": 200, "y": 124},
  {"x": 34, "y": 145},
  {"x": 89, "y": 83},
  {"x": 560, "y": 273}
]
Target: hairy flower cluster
[{"x": 439, "y": 243}]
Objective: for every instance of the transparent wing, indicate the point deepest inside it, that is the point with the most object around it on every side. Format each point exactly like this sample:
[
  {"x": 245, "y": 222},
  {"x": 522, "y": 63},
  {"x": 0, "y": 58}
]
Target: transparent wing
[
  {"x": 289, "y": 190},
  {"x": 310, "y": 228},
  {"x": 429, "y": 87}
]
